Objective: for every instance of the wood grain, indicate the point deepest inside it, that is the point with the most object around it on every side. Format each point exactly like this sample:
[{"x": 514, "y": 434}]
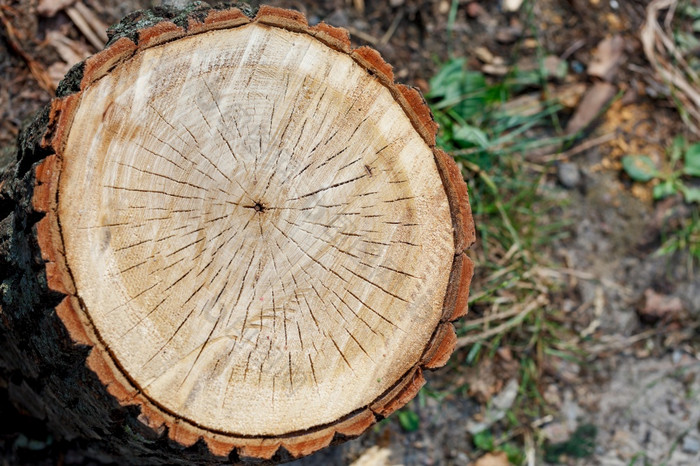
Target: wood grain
[
  {"x": 242, "y": 248},
  {"x": 253, "y": 230}
]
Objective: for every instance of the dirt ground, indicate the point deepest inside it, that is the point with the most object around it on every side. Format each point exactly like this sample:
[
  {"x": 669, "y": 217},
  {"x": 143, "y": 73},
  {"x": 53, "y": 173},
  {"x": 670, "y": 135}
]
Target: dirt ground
[{"x": 639, "y": 384}]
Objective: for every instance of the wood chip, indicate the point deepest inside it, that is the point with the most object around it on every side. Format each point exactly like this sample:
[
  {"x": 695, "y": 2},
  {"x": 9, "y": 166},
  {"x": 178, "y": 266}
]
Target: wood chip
[
  {"x": 493, "y": 459},
  {"x": 374, "y": 456},
  {"x": 96, "y": 24}
]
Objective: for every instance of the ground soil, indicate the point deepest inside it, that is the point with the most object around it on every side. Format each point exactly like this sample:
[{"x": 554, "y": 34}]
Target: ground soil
[{"x": 640, "y": 384}]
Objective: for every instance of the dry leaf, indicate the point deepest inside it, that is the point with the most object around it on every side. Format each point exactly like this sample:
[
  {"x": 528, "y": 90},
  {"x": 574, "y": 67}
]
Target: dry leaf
[
  {"x": 51, "y": 7},
  {"x": 508, "y": 35},
  {"x": 524, "y": 105},
  {"x": 590, "y": 106},
  {"x": 496, "y": 411},
  {"x": 657, "y": 307},
  {"x": 554, "y": 66},
  {"x": 607, "y": 58}
]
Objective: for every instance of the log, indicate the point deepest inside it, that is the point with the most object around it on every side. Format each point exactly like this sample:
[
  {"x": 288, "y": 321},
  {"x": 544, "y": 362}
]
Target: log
[{"x": 230, "y": 236}]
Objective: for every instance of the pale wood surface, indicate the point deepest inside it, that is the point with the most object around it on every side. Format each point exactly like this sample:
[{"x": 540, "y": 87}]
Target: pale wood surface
[{"x": 258, "y": 233}]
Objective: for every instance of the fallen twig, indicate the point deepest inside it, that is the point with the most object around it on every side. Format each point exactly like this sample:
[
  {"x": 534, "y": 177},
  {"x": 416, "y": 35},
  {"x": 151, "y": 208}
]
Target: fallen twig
[
  {"x": 520, "y": 314},
  {"x": 392, "y": 29},
  {"x": 580, "y": 275},
  {"x": 35, "y": 68},
  {"x": 584, "y": 146},
  {"x": 621, "y": 343},
  {"x": 370, "y": 39},
  {"x": 522, "y": 429},
  {"x": 492, "y": 317},
  {"x": 89, "y": 25}
]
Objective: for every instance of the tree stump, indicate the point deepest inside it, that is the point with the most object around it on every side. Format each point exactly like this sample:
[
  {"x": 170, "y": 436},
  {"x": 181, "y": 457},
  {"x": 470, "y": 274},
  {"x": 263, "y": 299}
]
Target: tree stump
[{"x": 230, "y": 236}]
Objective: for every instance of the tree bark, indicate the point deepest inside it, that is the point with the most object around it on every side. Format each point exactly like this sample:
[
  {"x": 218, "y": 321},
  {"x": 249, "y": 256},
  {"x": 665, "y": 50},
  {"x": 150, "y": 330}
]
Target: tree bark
[{"x": 230, "y": 236}]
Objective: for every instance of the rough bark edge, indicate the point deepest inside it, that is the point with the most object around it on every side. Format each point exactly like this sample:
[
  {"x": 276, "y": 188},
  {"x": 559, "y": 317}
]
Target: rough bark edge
[{"x": 148, "y": 29}]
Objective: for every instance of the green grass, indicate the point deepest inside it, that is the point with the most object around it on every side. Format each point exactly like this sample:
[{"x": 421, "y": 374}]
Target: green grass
[
  {"x": 513, "y": 212},
  {"x": 518, "y": 219},
  {"x": 506, "y": 191},
  {"x": 685, "y": 238},
  {"x": 580, "y": 445}
]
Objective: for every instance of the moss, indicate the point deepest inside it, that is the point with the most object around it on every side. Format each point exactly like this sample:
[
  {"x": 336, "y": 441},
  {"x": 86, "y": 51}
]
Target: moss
[
  {"x": 580, "y": 445},
  {"x": 130, "y": 25},
  {"x": 70, "y": 84}
]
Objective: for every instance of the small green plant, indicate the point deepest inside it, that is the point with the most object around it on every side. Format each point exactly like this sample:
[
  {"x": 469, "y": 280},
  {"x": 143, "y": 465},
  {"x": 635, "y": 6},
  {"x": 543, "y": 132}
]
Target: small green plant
[
  {"x": 684, "y": 164},
  {"x": 408, "y": 420},
  {"x": 513, "y": 214},
  {"x": 681, "y": 176},
  {"x": 486, "y": 442},
  {"x": 491, "y": 138},
  {"x": 580, "y": 445},
  {"x": 514, "y": 452},
  {"x": 685, "y": 238},
  {"x": 476, "y": 122}
]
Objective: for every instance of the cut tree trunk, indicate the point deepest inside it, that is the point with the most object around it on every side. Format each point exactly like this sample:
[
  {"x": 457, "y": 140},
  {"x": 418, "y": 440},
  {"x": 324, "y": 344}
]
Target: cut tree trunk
[{"x": 230, "y": 236}]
